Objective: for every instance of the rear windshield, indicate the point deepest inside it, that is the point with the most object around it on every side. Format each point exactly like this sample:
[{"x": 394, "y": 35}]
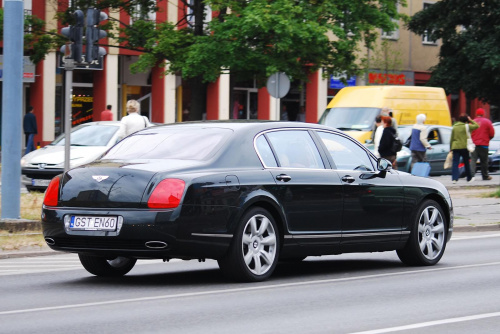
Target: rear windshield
[{"x": 173, "y": 143}]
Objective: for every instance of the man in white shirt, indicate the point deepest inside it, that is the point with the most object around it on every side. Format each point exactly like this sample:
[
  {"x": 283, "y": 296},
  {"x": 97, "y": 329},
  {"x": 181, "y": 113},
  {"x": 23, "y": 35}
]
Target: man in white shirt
[{"x": 133, "y": 121}]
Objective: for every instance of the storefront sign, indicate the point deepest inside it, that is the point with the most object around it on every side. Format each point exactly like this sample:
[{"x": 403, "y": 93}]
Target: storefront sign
[
  {"x": 391, "y": 78},
  {"x": 336, "y": 83},
  {"x": 82, "y": 109},
  {"x": 28, "y": 69}
]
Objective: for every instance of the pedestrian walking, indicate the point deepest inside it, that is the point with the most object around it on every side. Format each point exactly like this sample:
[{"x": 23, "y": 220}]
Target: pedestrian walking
[
  {"x": 133, "y": 121},
  {"x": 418, "y": 142},
  {"x": 386, "y": 148},
  {"x": 30, "y": 129},
  {"x": 481, "y": 138},
  {"x": 107, "y": 115},
  {"x": 458, "y": 145}
]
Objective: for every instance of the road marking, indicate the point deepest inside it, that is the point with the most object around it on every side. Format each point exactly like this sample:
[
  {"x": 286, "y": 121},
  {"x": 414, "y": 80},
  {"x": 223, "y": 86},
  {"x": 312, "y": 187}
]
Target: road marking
[
  {"x": 244, "y": 289},
  {"x": 432, "y": 323}
]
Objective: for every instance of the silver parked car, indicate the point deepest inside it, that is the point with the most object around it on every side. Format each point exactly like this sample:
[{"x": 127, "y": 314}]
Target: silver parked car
[{"x": 88, "y": 142}]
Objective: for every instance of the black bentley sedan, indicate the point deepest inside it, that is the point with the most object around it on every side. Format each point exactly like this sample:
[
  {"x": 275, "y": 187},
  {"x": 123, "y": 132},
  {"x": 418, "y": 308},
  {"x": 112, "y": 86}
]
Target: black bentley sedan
[{"x": 247, "y": 194}]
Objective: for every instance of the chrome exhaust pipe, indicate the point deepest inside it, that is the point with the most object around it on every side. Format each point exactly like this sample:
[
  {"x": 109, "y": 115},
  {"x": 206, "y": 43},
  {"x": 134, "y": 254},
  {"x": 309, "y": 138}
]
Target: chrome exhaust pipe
[
  {"x": 50, "y": 241},
  {"x": 156, "y": 244}
]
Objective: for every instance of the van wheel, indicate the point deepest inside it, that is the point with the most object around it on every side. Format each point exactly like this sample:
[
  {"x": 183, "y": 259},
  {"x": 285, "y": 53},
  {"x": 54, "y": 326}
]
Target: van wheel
[
  {"x": 427, "y": 241},
  {"x": 254, "y": 251}
]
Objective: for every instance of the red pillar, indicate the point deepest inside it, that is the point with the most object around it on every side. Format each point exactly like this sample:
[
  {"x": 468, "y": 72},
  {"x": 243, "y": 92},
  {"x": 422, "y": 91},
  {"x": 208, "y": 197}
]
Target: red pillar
[
  {"x": 264, "y": 99},
  {"x": 157, "y": 95},
  {"x": 312, "y": 98},
  {"x": 36, "y": 100},
  {"x": 99, "y": 92},
  {"x": 213, "y": 100}
]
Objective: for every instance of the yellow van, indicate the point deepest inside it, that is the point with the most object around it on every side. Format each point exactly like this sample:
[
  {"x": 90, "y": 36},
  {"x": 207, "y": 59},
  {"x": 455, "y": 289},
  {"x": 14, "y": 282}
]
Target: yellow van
[{"x": 353, "y": 110}]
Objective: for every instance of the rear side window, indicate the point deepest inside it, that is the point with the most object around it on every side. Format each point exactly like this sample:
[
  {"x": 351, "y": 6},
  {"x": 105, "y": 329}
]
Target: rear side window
[
  {"x": 265, "y": 152},
  {"x": 173, "y": 143},
  {"x": 295, "y": 149}
]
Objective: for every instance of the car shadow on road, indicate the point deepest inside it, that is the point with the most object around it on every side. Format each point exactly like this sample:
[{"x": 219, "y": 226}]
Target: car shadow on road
[{"x": 312, "y": 268}]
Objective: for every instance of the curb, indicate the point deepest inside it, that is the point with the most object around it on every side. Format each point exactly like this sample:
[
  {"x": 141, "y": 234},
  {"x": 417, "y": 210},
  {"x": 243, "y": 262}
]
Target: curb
[
  {"x": 477, "y": 228},
  {"x": 15, "y": 255},
  {"x": 20, "y": 225}
]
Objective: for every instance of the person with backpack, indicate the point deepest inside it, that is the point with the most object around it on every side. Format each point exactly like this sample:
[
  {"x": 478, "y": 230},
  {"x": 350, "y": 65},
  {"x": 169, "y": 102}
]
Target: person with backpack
[
  {"x": 418, "y": 143},
  {"x": 387, "y": 147}
]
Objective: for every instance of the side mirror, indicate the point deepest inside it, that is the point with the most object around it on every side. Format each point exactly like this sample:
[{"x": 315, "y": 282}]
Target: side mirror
[
  {"x": 433, "y": 142},
  {"x": 368, "y": 141},
  {"x": 383, "y": 165}
]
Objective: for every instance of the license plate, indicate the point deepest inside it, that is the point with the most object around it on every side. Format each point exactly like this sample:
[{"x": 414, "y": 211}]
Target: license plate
[
  {"x": 93, "y": 223},
  {"x": 40, "y": 182}
]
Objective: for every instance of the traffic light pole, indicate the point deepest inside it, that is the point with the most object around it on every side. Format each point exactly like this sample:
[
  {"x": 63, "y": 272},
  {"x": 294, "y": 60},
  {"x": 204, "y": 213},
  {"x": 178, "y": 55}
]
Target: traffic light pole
[
  {"x": 69, "y": 66},
  {"x": 12, "y": 110}
]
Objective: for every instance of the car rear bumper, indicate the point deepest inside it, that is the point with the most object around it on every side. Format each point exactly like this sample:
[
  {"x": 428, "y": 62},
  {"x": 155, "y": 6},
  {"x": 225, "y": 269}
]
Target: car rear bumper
[{"x": 144, "y": 234}]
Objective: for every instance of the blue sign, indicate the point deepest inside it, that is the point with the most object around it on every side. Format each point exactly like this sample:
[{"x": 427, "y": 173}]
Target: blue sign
[{"x": 336, "y": 83}]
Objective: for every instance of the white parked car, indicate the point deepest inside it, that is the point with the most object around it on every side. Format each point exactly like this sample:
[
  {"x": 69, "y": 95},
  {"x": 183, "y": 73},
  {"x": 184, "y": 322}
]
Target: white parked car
[{"x": 88, "y": 142}]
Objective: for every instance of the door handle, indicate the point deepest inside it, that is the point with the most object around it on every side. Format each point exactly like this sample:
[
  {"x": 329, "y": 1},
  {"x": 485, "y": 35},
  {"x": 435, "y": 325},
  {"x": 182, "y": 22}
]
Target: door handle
[
  {"x": 348, "y": 179},
  {"x": 283, "y": 177}
]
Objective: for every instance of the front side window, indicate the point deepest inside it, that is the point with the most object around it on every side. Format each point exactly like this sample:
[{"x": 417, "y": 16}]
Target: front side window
[
  {"x": 295, "y": 149},
  {"x": 346, "y": 154},
  {"x": 174, "y": 143}
]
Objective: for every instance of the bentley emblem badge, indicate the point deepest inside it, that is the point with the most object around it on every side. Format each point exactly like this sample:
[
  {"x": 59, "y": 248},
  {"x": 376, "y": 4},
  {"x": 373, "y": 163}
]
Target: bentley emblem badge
[{"x": 99, "y": 178}]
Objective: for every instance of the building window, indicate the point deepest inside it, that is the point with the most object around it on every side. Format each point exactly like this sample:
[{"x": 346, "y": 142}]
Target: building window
[
  {"x": 392, "y": 35},
  {"x": 141, "y": 14},
  {"x": 426, "y": 39}
]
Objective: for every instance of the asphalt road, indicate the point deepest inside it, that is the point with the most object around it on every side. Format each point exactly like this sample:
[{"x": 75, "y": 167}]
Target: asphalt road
[{"x": 372, "y": 293}]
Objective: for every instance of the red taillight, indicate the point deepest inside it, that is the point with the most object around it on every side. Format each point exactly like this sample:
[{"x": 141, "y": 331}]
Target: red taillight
[
  {"x": 167, "y": 194},
  {"x": 52, "y": 192}
]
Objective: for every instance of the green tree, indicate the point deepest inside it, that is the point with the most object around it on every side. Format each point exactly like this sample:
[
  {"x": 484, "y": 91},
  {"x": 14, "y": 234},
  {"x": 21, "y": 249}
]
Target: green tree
[
  {"x": 254, "y": 39},
  {"x": 37, "y": 41},
  {"x": 249, "y": 39},
  {"x": 469, "y": 57}
]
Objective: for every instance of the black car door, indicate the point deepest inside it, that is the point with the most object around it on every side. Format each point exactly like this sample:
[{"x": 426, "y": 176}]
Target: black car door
[
  {"x": 309, "y": 192},
  {"x": 373, "y": 200}
]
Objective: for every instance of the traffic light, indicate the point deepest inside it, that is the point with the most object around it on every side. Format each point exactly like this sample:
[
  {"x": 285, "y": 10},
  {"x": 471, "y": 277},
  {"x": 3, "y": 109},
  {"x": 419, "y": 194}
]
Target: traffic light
[
  {"x": 75, "y": 35},
  {"x": 93, "y": 34}
]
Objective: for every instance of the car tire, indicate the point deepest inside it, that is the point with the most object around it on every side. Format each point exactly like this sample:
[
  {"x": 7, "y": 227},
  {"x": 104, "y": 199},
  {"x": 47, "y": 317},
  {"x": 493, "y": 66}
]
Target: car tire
[
  {"x": 254, "y": 250},
  {"x": 427, "y": 240},
  {"x": 104, "y": 267}
]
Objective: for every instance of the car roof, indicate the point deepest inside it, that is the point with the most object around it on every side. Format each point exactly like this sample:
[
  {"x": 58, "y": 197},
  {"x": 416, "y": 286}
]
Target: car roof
[{"x": 246, "y": 125}]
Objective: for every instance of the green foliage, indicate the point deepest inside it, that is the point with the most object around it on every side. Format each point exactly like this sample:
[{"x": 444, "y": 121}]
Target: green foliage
[
  {"x": 254, "y": 39},
  {"x": 37, "y": 41},
  {"x": 469, "y": 57}
]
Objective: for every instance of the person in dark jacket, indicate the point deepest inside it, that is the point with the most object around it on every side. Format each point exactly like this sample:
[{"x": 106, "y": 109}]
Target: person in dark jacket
[
  {"x": 30, "y": 129},
  {"x": 386, "y": 146}
]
